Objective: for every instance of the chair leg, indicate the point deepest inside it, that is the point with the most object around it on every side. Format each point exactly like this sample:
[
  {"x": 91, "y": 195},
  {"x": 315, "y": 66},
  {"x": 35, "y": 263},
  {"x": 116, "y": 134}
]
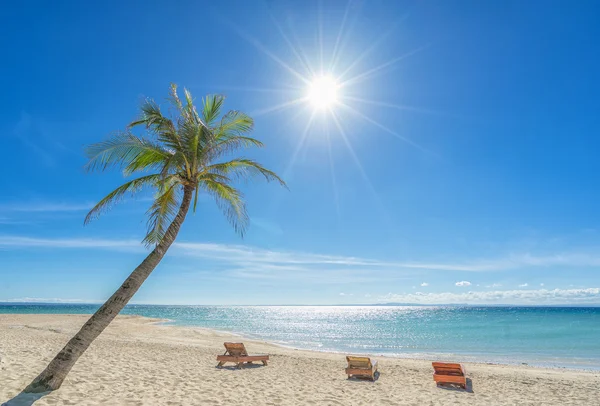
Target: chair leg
[
  {"x": 264, "y": 362},
  {"x": 240, "y": 365}
]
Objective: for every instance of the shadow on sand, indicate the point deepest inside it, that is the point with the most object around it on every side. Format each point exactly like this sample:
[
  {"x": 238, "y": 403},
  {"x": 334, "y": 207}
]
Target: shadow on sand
[
  {"x": 25, "y": 399},
  {"x": 235, "y": 368},
  {"x": 360, "y": 379},
  {"x": 458, "y": 389}
]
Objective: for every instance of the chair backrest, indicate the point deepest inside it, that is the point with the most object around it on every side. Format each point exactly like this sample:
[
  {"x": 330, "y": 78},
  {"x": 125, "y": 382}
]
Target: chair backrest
[
  {"x": 444, "y": 368},
  {"x": 236, "y": 349},
  {"x": 359, "y": 362}
]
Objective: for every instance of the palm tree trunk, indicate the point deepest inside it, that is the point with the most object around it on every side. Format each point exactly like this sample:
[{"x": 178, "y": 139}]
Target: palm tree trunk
[{"x": 55, "y": 373}]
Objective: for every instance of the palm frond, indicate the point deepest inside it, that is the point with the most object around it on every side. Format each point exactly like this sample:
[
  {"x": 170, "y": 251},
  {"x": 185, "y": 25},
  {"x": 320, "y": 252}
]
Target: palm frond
[
  {"x": 244, "y": 169},
  {"x": 230, "y": 201},
  {"x": 131, "y": 187},
  {"x": 234, "y": 123},
  {"x": 162, "y": 212},
  {"x": 228, "y": 145},
  {"x": 174, "y": 97},
  {"x": 181, "y": 153},
  {"x": 158, "y": 124},
  {"x": 211, "y": 107},
  {"x": 126, "y": 150},
  {"x": 152, "y": 118}
]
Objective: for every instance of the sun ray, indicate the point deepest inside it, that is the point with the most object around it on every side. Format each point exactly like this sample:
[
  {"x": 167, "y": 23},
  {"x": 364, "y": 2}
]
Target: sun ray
[
  {"x": 359, "y": 165},
  {"x": 373, "y": 71},
  {"x": 301, "y": 142},
  {"x": 301, "y": 51},
  {"x": 394, "y": 106},
  {"x": 258, "y": 45},
  {"x": 332, "y": 169},
  {"x": 320, "y": 33},
  {"x": 366, "y": 53},
  {"x": 350, "y": 149},
  {"x": 303, "y": 60},
  {"x": 384, "y": 128},
  {"x": 336, "y": 47},
  {"x": 278, "y": 107},
  {"x": 262, "y": 89}
]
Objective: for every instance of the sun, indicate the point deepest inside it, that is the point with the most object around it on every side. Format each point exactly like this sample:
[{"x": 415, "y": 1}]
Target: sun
[{"x": 323, "y": 92}]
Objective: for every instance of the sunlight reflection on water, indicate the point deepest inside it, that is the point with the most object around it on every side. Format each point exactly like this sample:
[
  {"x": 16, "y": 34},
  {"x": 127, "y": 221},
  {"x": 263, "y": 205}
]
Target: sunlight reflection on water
[{"x": 542, "y": 335}]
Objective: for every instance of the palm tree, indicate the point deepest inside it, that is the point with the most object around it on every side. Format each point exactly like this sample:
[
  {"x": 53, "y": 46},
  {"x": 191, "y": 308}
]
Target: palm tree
[{"x": 179, "y": 156}]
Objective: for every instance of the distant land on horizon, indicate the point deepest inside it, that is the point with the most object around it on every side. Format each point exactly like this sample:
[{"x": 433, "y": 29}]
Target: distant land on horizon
[{"x": 391, "y": 304}]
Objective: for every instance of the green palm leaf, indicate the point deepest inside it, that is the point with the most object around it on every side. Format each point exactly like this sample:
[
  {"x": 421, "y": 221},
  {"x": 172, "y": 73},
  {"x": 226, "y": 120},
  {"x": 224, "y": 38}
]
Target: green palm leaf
[{"x": 181, "y": 152}]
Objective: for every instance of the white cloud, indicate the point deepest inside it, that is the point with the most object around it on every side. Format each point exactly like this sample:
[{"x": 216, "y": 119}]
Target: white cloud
[
  {"x": 541, "y": 284},
  {"x": 74, "y": 243},
  {"x": 524, "y": 285},
  {"x": 424, "y": 284},
  {"x": 241, "y": 261},
  {"x": 367, "y": 295},
  {"x": 228, "y": 252},
  {"x": 494, "y": 285},
  {"x": 346, "y": 294},
  {"x": 44, "y": 300},
  {"x": 521, "y": 296},
  {"x": 45, "y": 206}
]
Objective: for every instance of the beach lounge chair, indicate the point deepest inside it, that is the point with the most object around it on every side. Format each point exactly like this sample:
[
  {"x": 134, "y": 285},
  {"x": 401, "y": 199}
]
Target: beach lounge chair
[
  {"x": 236, "y": 353},
  {"x": 361, "y": 367},
  {"x": 449, "y": 374}
]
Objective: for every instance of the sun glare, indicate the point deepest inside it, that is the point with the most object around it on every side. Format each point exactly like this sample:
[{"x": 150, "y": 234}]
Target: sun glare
[{"x": 323, "y": 92}]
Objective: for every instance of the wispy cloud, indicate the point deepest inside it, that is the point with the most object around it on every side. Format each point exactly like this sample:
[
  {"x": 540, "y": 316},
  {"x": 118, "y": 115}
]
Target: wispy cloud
[
  {"x": 73, "y": 243},
  {"x": 9, "y": 221},
  {"x": 44, "y": 207},
  {"x": 523, "y": 285},
  {"x": 44, "y": 300},
  {"x": 29, "y": 133},
  {"x": 539, "y": 296},
  {"x": 424, "y": 284},
  {"x": 259, "y": 263}
]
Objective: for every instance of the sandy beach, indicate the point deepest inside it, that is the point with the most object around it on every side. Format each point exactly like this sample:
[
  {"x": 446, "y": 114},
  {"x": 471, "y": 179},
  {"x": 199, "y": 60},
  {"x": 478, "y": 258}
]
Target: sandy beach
[{"x": 139, "y": 362}]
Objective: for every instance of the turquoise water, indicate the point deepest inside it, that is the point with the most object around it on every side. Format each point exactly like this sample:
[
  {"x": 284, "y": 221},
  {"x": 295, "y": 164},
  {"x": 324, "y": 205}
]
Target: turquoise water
[{"x": 548, "y": 336}]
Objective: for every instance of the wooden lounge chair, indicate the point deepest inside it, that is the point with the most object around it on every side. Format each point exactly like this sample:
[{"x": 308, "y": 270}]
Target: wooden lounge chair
[
  {"x": 449, "y": 374},
  {"x": 361, "y": 367},
  {"x": 236, "y": 353}
]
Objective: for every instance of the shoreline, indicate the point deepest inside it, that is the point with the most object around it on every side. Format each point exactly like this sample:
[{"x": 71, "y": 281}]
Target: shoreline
[
  {"x": 429, "y": 357},
  {"x": 141, "y": 361}
]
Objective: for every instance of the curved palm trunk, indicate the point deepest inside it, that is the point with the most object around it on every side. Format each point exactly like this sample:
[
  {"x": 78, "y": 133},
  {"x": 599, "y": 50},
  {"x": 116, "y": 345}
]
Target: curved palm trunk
[{"x": 55, "y": 373}]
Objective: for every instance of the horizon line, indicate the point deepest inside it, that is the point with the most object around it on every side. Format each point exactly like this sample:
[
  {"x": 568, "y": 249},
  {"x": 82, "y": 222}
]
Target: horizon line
[{"x": 389, "y": 304}]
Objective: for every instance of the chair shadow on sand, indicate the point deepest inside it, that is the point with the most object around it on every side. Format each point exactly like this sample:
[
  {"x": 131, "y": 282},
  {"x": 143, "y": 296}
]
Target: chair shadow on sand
[
  {"x": 459, "y": 389},
  {"x": 235, "y": 368},
  {"x": 361, "y": 379},
  {"x": 25, "y": 399}
]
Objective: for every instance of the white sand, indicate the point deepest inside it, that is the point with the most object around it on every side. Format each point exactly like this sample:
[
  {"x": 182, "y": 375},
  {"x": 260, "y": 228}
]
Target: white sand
[{"x": 136, "y": 362}]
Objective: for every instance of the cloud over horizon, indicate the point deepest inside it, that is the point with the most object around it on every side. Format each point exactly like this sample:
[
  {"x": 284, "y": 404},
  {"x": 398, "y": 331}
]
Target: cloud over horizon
[
  {"x": 291, "y": 267},
  {"x": 539, "y": 296},
  {"x": 228, "y": 252}
]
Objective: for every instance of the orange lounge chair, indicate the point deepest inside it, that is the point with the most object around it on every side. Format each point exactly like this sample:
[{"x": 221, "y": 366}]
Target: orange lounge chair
[
  {"x": 449, "y": 374},
  {"x": 361, "y": 366},
  {"x": 236, "y": 353}
]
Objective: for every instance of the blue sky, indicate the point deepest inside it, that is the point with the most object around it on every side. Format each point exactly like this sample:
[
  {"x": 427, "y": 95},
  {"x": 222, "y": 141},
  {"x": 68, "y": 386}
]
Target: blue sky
[{"x": 460, "y": 166}]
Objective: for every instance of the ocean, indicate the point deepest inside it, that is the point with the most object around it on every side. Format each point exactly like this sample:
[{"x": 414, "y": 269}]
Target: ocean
[{"x": 541, "y": 336}]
